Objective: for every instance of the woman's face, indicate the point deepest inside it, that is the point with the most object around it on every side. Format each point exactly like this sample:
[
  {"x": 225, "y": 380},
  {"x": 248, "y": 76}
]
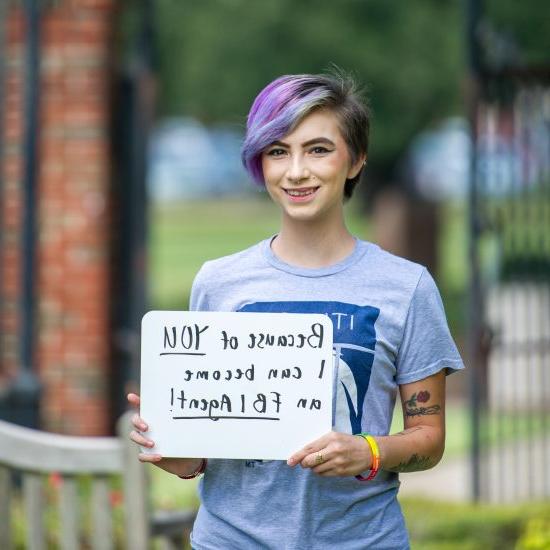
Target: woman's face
[{"x": 305, "y": 171}]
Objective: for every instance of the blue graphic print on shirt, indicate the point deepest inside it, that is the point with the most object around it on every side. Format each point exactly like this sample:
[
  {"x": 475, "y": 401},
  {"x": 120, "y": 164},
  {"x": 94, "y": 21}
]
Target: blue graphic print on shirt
[{"x": 354, "y": 342}]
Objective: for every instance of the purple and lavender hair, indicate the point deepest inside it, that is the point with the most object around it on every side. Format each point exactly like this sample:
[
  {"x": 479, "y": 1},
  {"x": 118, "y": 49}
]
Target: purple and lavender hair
[{"x": 286, "y": 101}]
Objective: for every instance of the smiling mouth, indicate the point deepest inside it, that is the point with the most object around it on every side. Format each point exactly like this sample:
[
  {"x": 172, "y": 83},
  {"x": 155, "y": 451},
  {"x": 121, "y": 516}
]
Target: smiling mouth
[{"x": 301, "y": 192}]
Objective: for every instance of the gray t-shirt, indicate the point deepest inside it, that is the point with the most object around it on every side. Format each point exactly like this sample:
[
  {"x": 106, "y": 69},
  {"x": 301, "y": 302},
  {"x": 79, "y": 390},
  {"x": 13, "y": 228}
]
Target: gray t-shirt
[{"x": 389, "y": 329}]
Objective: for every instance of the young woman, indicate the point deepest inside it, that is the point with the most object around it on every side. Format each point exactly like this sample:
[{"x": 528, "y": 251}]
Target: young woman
[{"x": 306, "y": 141}]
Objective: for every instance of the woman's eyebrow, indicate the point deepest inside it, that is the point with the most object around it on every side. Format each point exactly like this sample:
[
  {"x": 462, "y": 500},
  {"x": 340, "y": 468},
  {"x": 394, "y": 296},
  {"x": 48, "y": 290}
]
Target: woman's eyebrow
[
  {"x": 279, "y": 144},
  {"x": 306, "y": 143},
  {"x": 318, "y": 140}
]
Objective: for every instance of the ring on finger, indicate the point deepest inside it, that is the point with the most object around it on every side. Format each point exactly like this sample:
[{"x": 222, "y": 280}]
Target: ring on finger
[{"x": 319, "y": 459}]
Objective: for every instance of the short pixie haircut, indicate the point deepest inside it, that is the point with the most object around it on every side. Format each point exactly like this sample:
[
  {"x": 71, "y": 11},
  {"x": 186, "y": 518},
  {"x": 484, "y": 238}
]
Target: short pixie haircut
[{"x": 286, "y": 101}]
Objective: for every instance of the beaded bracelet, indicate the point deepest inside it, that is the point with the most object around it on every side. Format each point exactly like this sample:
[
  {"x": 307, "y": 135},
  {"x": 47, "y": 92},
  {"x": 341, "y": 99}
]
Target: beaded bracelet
[
  {"x": 375, "y": 457},
  {"x": 198, "y": 471}
]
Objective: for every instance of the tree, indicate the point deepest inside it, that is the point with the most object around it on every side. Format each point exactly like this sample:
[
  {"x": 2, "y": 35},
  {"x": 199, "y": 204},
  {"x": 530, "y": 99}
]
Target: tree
[{"x": 215, "y": 56}]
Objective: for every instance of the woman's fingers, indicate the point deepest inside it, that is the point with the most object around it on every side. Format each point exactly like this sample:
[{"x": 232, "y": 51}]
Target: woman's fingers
[
  {"x": 327, "y": 463},
  {"x": 298, "y": 458},
  {"x": 318, "y": 458},
  {"x": 146, "y": 457},
  {"x": 141, "y": 426},
  {"x": 136, "y": 437},
  {"x": 335, "y": 454},
  {"x": 313, "y": 447},
  {"x": 133, "y": 399},
  {"x": 328, "y": 468},
  {"x": 139, "y": 423}
]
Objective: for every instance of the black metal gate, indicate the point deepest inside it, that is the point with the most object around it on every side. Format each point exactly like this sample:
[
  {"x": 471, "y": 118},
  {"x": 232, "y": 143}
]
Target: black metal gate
[{"x": 509, "y": 321}]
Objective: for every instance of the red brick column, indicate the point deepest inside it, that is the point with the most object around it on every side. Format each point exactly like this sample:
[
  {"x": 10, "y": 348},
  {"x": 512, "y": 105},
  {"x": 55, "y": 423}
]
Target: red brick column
[{"x": 74, "y": 225}]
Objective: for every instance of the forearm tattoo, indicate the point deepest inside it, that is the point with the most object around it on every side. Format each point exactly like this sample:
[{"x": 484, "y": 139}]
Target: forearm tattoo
[
  {"x": 409, "y": 430},
  {"x": 414, "y": 464},
  {"x": 412, "y": 407}
]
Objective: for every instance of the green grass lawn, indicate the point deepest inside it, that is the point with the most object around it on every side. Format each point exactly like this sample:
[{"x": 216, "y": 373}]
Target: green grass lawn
[
  {"x": 457, "y": 526},
  {"x": 184, "y": 235}
]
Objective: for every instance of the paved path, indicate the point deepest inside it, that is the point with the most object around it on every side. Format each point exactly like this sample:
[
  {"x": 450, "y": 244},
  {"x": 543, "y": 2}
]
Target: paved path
[
  {"x": 505, "y": 479},
  {"x": 449, "y": 480}
]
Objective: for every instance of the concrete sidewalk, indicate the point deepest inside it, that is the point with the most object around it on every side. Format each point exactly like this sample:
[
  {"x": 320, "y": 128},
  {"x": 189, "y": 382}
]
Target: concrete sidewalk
[
  {"x": 502, "y": 479},
  {"x": 449, "y": 480}
]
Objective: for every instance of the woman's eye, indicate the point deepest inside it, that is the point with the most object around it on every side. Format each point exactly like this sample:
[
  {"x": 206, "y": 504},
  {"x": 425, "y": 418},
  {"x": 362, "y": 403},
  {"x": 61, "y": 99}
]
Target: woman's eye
[
  {"x": 319, "y": 150},
  {"x": 276, "y": 152}
]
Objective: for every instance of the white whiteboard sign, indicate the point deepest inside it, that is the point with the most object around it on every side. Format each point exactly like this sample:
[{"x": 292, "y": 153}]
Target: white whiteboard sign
[{"x": 235, "y": 385}]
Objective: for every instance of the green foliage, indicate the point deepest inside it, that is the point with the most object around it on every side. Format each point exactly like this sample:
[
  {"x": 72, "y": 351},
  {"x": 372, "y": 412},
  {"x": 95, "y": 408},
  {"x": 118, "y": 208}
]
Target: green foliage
[
  {"x": 448, "y": 526},
  {"x": 167, "y": 495},
  {"x": 433, "y": 525},
  {"x": 51, "y": 486},
  {"x": 536, "y": 535},
  {"x": 216, "y": 55},
  {"x": 525, "y": 23}
]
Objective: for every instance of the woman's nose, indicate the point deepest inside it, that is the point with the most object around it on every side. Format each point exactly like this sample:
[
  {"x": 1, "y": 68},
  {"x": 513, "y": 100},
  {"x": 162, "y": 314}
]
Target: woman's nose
[{"x": 297, "y": 169}]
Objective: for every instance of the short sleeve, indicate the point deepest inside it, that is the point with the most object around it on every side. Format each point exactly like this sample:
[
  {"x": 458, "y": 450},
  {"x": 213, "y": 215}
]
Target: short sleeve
[
  {"x": 427, "y": 345},
  {"x": 198, "y": 301}
]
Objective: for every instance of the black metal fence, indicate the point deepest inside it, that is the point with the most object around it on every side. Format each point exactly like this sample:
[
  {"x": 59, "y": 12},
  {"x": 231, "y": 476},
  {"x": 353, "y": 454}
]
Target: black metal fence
[
  {"x": 19, "y": 401},
  {"x": 510, "y": 285}
]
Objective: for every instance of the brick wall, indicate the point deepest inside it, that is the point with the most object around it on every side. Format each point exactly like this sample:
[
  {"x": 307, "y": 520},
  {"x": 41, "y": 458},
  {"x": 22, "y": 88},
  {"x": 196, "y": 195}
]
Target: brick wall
[{"x": 74, "y": 226}]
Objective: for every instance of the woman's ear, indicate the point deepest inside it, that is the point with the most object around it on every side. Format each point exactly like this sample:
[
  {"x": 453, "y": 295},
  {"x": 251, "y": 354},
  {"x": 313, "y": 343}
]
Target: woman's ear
[{"x": 357, "y": 166}]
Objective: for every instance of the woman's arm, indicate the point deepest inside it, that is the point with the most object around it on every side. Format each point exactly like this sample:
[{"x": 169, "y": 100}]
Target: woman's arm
[
  {"x": 418, "y": 447},
  {"x": 421, "y": 444}
]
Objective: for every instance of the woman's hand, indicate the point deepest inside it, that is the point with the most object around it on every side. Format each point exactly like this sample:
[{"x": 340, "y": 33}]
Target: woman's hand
[
  {"x": 177, "y": 466},
  {"x": 335, "y": 454}
]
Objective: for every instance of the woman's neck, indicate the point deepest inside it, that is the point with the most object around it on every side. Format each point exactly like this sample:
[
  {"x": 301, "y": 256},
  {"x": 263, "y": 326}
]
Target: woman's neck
[{"x": 311, "y": 245}]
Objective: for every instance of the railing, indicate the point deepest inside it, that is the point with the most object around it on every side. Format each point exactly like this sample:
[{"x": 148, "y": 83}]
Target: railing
[
  {"x": 510, "y": 320},
  {"x": 34, "y": 455}
]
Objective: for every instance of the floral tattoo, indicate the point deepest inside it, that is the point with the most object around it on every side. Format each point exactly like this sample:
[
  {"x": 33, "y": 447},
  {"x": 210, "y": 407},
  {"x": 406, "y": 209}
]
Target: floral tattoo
[{"x": 412, "y": 407}]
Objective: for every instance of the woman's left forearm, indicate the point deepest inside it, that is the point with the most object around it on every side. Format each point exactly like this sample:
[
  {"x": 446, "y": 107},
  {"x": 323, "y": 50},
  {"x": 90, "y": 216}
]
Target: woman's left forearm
[
  {"x": 421, "y": 444},
  {"x": 418, "y": 447},
  {"x": 414, "y": 449}
]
